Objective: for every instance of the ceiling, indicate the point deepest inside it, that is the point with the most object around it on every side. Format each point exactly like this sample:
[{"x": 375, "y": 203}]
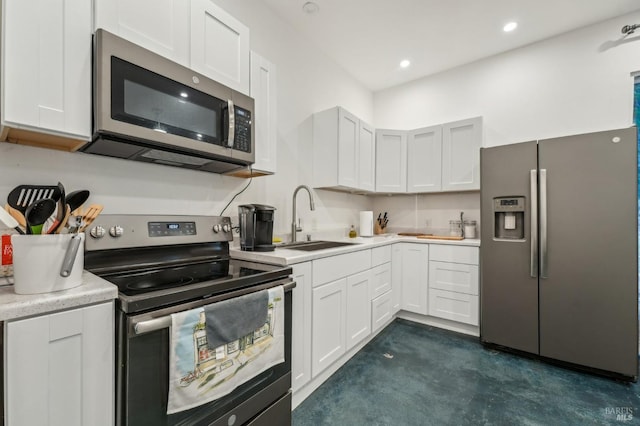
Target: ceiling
[{"x": 369, "y": 38}]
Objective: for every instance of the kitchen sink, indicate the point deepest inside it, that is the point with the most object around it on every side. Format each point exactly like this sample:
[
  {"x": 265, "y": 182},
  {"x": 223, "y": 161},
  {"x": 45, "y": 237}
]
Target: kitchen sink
[{"x": 314, "y": 245}]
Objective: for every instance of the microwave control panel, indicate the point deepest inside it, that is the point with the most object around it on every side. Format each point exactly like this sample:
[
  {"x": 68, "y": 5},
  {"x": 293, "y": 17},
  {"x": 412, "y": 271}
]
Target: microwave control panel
[{"x": 242, "y": 140}]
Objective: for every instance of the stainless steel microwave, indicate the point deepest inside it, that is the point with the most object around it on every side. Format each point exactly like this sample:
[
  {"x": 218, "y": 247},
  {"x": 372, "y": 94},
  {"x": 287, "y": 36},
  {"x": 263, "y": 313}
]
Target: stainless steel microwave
[{"x": 148, "y": 108}]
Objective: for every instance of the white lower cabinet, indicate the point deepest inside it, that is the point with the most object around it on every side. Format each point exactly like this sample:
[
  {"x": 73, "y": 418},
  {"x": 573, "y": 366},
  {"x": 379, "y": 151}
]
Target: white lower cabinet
[
  {"x": 301, "y": 326},
  {"x": 453, "y": 283},
  {"x": 415, "y": 274},
  {"x": 453, "y": 306},
  {"x": 328, "y": 329},
  {"x": 59, "y": 368},
  {"x": 358, "y": 308}
]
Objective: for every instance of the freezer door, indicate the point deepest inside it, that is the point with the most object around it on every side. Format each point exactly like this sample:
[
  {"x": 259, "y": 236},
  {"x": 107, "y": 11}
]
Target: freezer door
[
  {"x": 589, "y": 298},
  {"x": 508, "y": 292}
]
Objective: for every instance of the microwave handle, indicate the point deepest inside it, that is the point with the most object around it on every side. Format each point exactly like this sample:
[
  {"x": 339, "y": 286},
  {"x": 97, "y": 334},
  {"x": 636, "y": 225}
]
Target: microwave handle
[{"x": 232, "y": 123}]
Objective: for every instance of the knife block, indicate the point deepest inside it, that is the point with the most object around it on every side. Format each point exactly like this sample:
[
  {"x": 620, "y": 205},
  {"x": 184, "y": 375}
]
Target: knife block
[{"x": 377, "y": 229}]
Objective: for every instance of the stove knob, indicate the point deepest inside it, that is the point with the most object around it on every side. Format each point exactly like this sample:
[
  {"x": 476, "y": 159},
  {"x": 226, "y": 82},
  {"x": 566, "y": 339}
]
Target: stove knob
[
  {"x": 97, "y": 232},
  {"x": 226, "y": 227},
  {"x": 116, "y": 231},
  {"x": 216, "y": 228}
]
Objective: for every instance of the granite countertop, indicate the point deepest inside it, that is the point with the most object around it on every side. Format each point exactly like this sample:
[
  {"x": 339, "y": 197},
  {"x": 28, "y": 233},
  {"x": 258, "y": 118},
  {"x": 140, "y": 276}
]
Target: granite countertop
[
  {"x": 92, "y": 290},
  {"x": 284, "y": 256}
]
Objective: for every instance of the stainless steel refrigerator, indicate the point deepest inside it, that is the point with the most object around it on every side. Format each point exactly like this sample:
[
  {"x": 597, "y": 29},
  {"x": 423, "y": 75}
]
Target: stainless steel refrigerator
[{"x": 559, "y": 256}]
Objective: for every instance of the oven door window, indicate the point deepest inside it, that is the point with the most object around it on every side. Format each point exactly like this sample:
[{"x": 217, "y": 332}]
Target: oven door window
[{"x": 146, "y": 99}]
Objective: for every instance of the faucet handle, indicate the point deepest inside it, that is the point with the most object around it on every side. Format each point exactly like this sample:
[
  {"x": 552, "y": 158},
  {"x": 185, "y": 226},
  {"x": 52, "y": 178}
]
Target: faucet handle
[{"x": 299, "y": 226}]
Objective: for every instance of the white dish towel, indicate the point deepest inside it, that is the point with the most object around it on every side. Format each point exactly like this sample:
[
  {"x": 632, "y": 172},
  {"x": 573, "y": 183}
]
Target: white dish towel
[{"x": 199, "y": 374}]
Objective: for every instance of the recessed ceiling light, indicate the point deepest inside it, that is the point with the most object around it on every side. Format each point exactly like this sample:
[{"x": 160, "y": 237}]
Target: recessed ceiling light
[
  {"x": 405, "y": 63},
  {"x": 184, "y": 94},
  {"x": 310, "y": 8},
  {"x": 510, "y": 27}
]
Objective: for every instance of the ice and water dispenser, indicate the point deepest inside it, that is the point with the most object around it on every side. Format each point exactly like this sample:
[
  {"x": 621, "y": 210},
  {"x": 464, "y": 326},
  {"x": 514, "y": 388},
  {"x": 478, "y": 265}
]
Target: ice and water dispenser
[{"x": 509, "y": 218}]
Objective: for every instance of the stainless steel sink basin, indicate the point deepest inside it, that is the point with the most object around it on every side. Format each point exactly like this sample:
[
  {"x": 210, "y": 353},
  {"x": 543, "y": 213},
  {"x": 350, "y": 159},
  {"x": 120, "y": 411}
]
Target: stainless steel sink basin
[{"x": 313, "y": 245}]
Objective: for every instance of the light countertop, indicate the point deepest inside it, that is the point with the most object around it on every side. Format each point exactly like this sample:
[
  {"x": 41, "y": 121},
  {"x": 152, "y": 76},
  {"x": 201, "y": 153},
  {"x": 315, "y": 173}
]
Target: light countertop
[
  {"x": 92, "y": 290},
  {"x": 284, "y": 256}
]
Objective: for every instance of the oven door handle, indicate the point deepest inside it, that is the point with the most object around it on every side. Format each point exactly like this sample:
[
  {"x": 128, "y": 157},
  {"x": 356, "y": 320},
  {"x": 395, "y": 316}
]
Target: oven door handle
[{"x": 146, "y": 326}]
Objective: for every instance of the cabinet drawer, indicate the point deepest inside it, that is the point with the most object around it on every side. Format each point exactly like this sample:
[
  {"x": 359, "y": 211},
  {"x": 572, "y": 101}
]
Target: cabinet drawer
[
  {"x": 380, "y": 255},
  {"x": 453, "y": 306},
  {"x": 381, "y": 311},
  {"x": 380, "y": 280},
  {"x": 335, "y": 267},
  {"x": 454, "y": 254},
  {"x": 457, "y": 277}
]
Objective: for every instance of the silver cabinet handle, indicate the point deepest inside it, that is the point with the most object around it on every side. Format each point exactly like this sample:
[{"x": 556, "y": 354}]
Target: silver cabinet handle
[
  {"x": 543, "y": 224},
  {"x": 534, "y": 223},
  {"x": 232, "y": 124}
]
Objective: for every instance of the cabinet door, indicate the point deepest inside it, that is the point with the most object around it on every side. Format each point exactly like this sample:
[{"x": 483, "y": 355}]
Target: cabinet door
[
  {"x": 162, "y": 27},
  {"x": 263, "y": 91},
  {"x": 301, "y": 326},
  {"x": 60, "y": 368},
  {"x": 461, "y": 142},
  {"x": 391, "y": 161},
  {"x": 348, "y": 146},
  {"x": 396, "y": 277},
  {"x": 219, "y": 45},
  {"x": 367, "y": 158},
  {"x": 328, "y": 324},
  {"x": 424, "y": 160},
  {"x": 415, "y": 274},
  {"x": 358, "y": 308},
  {"x": 46, "y": 73}
]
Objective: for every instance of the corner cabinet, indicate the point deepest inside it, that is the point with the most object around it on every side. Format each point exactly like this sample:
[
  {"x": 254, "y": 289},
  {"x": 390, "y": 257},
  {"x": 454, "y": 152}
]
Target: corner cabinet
[
  {"x": 391, "y": 161},
  {"x": 343, "y": 151},
  {"x": 59, "y": 368},
  {"x": 46, "y": 74}
]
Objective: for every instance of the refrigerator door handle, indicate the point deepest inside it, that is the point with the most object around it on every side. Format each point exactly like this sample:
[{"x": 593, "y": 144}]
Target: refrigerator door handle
[
  {"x": 543, "y": 224},
  {"x": 534, "y": 223}
]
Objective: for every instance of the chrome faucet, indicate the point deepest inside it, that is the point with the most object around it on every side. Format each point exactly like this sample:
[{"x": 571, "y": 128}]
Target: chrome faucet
[{"x": 294, "y": 227}]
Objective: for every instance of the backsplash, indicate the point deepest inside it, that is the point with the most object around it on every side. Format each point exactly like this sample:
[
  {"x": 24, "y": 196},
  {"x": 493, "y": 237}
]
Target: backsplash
[{"x": 428, "y": 213}]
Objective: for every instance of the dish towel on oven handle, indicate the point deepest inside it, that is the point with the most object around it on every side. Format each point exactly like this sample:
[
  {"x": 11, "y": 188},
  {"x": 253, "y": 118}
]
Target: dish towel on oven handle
[{"x": 199, "y": 373}]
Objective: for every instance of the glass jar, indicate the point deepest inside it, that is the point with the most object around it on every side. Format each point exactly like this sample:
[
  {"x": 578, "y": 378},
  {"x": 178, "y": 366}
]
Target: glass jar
[
  {"x": 470, "y": 229},
  {"x": 455, "y": 228}
]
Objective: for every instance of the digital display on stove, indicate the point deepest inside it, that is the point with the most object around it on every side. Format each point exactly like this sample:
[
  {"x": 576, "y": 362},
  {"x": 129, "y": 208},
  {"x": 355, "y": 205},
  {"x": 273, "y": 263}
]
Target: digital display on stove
[{"x": 171, "y": 229}]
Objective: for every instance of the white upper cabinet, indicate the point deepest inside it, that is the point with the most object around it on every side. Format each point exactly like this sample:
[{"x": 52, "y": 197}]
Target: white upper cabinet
[
  {"x": 391, "y": 161},
  {"x": 461, "y": 142},
  {"x": 160, "y": 26},
  {"x": 197, "y": 34},
  {"x": 263, "y": 91},
  {"x": 367, "y": 162},
  {"x": 46, "y": 74},
  {"x": 219, "y": 45},
  {"x": 424, "y": 160},
  {"x": 343, "y": 154}
]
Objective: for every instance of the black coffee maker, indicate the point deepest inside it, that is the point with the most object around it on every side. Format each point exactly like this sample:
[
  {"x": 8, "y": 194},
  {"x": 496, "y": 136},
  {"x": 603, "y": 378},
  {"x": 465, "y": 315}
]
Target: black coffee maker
[{"x": 256, "y": 227}]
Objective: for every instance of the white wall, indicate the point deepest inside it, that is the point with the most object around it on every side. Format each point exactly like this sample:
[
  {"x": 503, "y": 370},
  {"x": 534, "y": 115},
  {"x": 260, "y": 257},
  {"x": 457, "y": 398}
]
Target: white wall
[
  {"x": 307, "y": 82},
  {"x": 578, "y": 82}
]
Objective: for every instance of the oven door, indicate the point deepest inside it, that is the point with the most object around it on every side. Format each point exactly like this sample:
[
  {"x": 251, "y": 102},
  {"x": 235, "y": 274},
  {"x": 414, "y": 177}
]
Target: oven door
[{"x": 143, "y": 374}]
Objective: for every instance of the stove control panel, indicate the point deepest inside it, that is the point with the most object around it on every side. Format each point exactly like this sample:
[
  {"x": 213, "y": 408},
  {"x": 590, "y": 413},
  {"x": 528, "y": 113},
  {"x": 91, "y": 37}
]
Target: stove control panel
[
  {"x": 124, "y": 231},
  {"x": 171, "y": 229}
]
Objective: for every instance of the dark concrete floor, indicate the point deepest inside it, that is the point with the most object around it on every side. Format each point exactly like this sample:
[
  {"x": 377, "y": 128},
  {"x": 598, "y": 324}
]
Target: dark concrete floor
[{"x": 437, "y": 377}]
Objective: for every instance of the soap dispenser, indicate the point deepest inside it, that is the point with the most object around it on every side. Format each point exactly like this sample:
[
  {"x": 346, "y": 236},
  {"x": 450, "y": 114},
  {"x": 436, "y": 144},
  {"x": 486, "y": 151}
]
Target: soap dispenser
[{"x": 352, "y": 232}]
